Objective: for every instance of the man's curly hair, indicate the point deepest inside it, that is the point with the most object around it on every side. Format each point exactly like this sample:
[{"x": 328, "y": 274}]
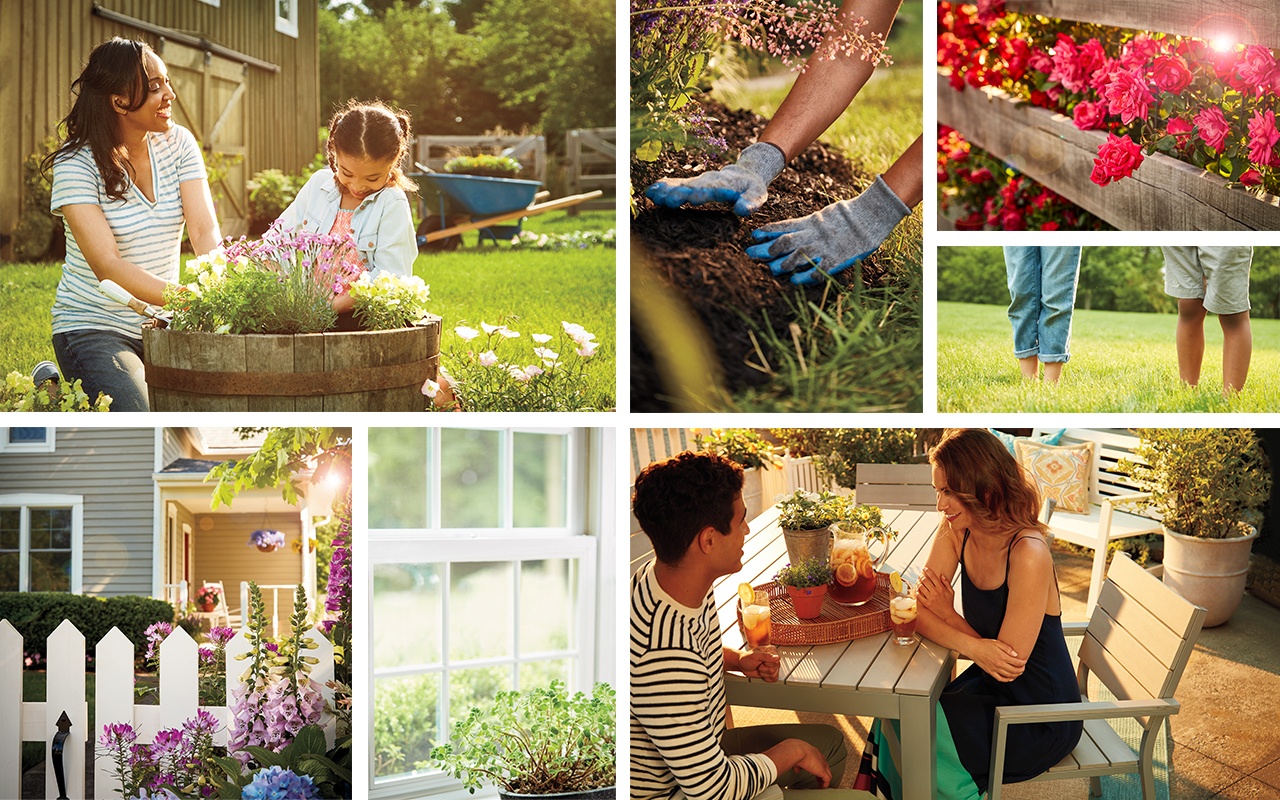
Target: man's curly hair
[{"x": 676, "y": 498}]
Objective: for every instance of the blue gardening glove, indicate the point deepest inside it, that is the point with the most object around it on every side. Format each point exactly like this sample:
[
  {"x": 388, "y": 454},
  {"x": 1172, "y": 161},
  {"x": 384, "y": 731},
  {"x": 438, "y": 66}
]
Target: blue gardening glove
[
  {"x": 829, "y": 240},
  {"x": 745, "y": 184}
]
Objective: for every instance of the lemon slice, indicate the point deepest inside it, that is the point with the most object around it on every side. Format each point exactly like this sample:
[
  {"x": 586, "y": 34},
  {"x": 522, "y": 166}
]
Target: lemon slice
[
  {"x": 895, "y": 580},
  {"x": 746, "y": 594}
]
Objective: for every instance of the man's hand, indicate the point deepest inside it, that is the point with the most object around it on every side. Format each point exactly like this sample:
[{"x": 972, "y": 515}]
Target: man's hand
[
  {"x": 745, "y": 184},
  {"x": 792, "y": 754},
  {"x": 760, "y": 663},
  {"x": 831, "y": 240}
]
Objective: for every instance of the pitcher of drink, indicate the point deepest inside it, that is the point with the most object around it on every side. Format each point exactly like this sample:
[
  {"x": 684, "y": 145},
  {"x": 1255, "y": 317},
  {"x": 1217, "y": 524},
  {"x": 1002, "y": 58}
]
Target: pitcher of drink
[{"x": 853, "y": 570}]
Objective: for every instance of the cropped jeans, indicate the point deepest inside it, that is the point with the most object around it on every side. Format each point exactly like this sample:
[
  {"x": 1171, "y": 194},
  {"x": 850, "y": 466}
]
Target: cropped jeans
[
  {"x": 106, "y": 362},
  {"x": 1042, "y": 295}
]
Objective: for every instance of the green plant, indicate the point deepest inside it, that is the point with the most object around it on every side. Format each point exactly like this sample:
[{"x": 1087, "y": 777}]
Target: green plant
[
  {"x": 811, "y": 571},
  {"x": 270, "y": 193},
  {"x": 844, "y": 448},
  {"x": 20, "y": 393},
  {"x": 487, "y": 165},
  {"x": 869, "y": 518},
  {"x": 742, "y": 446},
  {"x": 802, "y": 511},
  {"x": 799, "y": 442},
  {"x": 389, "y": 301},
  {"x": 1211, "y": 483},
  {"x": 33, "y": 236},
  {"x": 539, "y": 741},
  {"x": 36, "y": 615},
  {"x": 329, "y": 769}
]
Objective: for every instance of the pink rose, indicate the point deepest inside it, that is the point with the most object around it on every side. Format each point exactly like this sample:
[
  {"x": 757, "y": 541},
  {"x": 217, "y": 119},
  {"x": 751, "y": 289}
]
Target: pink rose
[
  {"x": 1041, "y": 62},
  {"x": 1089, "y": 115},
  {"x": 1066, "y": 65},
  {"x": 1262, "y": 139},
  {"x": 1049, "y": 226},
  {"x": 980, "y": 176},
  {"x": 1213, "y": 127},
  {"x": 1128, "y": 96},
  {"x": 1138, "y": 52},
  {"x": 1178, "y": 127},
  {"x": 1170, "y": 74},
  {"x": 1102, "y": 75},
  {"x": 1117, "y": 158},
  {"x": 1251, "y": 177},
  {"x": 1091, "y": 58},
  {"x": 1257, "y": 67}
]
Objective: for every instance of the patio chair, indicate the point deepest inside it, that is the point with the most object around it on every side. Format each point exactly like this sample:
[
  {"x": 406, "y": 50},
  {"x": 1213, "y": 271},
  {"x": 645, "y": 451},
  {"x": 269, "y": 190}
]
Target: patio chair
[
  {"x": 902, "y": 486},
  {"x": 1136, "y": 643},
  {"x": 219, "y": 612}
]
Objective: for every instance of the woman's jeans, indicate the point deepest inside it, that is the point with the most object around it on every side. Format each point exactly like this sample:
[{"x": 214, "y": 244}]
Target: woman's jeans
[
  {"x": 106, "y": 362},
  {"x": 1042, "y": 294}
]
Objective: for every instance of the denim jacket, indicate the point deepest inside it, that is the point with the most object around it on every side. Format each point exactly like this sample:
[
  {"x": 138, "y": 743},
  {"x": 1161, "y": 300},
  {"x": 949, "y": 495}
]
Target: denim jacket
[{"x": 382, "y": 224}]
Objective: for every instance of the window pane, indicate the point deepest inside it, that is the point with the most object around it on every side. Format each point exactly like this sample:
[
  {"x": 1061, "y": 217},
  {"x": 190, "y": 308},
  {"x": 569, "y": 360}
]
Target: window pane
[
  {"x": 540, "y": 674},
  {"x": 397, "y": 477},
  {"x": 475, "y": 688},
  {"x": 545, "y": 606},
  {"x": 541, "y": 467},
  {"x": 28, "y": 435},
  {"x": 10, "y": 528},
  {"x": 51, "y": 527},
  {"x": 481, "y": 608},
  {"x": 406, "y": 615},
  {"x": 9, "y": 566},
  {"x": 51, "y": 571},
  {"x": 469, "y": 470},
  {"x": 405, "y": 727}
]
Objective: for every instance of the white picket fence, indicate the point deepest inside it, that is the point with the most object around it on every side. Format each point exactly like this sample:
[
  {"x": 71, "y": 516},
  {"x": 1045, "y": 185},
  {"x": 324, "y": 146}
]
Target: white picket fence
[{"x": 114, "y": 699}]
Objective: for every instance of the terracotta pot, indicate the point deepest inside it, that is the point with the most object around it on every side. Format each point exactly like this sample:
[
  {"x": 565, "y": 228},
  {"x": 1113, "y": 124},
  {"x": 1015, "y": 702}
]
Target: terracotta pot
[
  {"x": 807, "y": 601},
  {"x": 267, "y": 548},
  {"x": 814, "y": 543},
  {"x": 207, "y": 607},
  {"x": 1209, "y": 572}
]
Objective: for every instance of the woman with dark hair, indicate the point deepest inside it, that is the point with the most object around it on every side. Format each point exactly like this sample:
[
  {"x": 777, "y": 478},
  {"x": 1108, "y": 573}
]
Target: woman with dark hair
[
  {"x": 126, "y": 180},
  {"x": 1011, "y": 628}
]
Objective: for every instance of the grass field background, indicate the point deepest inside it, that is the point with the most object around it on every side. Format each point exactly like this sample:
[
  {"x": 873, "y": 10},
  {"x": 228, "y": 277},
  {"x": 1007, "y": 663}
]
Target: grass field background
[{"x": 1120, "y": 362}]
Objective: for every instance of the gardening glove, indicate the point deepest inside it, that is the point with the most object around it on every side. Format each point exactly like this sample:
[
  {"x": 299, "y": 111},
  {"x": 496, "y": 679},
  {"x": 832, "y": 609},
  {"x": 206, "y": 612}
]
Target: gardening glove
[
  {"x": 745, "y": 184},
  {"x": 841, "y": 234}
]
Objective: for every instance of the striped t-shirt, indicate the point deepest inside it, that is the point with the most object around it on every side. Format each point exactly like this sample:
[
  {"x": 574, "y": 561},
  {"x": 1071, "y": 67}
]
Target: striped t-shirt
[
  {"x": 148, "y": 235},
  {"x": 678, "y": 703}
]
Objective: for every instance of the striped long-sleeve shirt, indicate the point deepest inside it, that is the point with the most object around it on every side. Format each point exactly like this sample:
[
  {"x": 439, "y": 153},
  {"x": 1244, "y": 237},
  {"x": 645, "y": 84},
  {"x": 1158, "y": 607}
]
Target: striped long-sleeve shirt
[{"x": 678, "y": 703}]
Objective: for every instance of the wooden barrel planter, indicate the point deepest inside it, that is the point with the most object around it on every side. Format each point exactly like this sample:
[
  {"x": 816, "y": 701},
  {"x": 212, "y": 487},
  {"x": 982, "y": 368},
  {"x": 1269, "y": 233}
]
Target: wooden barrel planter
[{"x": 337, "y": 371}]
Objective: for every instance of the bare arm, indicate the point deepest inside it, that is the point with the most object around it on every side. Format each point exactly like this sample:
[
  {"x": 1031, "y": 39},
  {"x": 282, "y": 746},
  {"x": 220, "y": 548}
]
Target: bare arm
[
  {"x": 792, "y": 754},
  {"x": 98, "y": 244},
  {"x": 202, "y": 222},
  {"x": 1030, "y": 582}
]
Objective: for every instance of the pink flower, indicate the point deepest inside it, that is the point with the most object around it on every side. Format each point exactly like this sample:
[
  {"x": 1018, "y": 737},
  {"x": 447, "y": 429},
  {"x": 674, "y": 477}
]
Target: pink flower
[
  {"x": 1178, "y": 127},
  {"x": 466, "y": 334},
  {"x": 980, "y": 175},
  {"x": 587, "y": 350},
  {"x": 1092, "y": 58},
  {"x": 1257, "y": 67},
  {"x": 1138, "y": 52},
  {"x": 1213, "y": 127},
  {"x": 488, "y": 358},
  {"x": 1251, "y": 177},
  {"x": 1066, "y": 65},
  {"x": 1088, "y": 115},
  {"x": 1117, "y": 158},
  {"x": 1262, "y": 138},
  {"x": 1170, "y": 73},
  {"x": 1128, "y": 96}
]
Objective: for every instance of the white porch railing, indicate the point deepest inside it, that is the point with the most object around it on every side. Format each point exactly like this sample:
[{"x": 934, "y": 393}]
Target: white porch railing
[
  {"x": 177, "y": 594},
  {"x": 271, "y": 600}
]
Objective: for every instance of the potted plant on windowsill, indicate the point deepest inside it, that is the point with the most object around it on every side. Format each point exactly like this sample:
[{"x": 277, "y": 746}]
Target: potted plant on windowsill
[
  {"x": 749, "y": 450},
  {"x": 806, "y": 585},
  {"x": 540, "y": 743},
  {"x": 1209, "y": 486},
  {"x": 805, "y": 518}
]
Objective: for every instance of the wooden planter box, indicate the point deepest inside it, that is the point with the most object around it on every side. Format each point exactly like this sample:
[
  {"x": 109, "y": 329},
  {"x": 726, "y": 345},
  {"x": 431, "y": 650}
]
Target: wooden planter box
[
  {"x": 339, "y": 371},
  {"x": 1164, "y": 194}
]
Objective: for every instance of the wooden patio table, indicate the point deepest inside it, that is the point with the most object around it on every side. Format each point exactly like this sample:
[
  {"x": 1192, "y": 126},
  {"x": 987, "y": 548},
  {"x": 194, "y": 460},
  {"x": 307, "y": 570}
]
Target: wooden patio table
[{"x": 870, "y": 676}]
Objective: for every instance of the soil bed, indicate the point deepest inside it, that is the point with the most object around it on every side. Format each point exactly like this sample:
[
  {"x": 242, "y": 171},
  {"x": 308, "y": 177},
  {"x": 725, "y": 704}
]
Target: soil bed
[{"x": 699, "y": 252}]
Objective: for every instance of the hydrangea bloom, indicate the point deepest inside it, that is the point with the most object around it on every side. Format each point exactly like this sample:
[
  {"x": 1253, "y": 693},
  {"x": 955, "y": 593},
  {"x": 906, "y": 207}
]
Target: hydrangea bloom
[{"x": 277, "y": 783}]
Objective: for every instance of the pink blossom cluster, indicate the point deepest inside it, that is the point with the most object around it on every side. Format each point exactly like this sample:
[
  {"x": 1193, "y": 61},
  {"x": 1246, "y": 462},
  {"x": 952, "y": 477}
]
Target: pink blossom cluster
[{"x": 272, "y": 717}]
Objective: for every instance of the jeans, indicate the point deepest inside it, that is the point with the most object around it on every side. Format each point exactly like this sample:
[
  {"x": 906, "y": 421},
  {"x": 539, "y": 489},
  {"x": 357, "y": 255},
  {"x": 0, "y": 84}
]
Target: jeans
[
  {"x": 106, "y": 362},
  {"x": 757, "y": 738},
  {"x": 1042, "y": 295}
]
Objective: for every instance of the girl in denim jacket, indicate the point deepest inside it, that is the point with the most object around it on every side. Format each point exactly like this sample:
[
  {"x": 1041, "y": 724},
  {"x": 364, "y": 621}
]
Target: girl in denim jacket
[{"x": 363, "y": 191}]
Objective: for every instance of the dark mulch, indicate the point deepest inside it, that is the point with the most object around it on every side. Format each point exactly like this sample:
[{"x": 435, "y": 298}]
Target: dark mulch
[{"x": 698, "y": 252}]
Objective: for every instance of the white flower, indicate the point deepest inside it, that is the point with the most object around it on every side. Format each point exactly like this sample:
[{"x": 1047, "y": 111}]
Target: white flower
[
  {"x": 812, "y": 497},
  {"x": 465, "y": 333},
  {"x": 507, "y": 332},
  {"x": 490, "y": 329},
  {"x": 541, "y": 338},
  {"x": 577, "y": 333},
  {"x": 431, "y": 388},
  {"x": 488, "y": 358},
  {"x": 532, "y": 371},
  {"x": 545, "y": 353},
  {"x": 588, "y": 349}
]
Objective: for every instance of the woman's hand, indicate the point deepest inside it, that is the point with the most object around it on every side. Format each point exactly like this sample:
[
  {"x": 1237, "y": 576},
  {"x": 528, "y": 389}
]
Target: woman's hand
[
  {"x": 997, "y": 659},
  {"x": 936, "y": 594}
]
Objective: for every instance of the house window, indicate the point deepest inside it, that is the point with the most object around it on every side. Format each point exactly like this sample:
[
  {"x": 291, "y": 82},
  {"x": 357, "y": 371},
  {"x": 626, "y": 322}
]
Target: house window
[
  {"x": 287, "y": 17},
  {"x": 214, "y": 3},
  {"x": 40, "y": 543},
  {"x": 27, "y": 440},
  {"x": 486, "y": 539}
]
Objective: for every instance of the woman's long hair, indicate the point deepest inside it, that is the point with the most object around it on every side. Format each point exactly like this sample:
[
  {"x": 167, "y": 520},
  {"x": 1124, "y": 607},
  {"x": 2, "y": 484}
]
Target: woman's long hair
[
  {"x": 987, "y": 481},
  {"x": 371, "y": 129},
  {"x": 115, "y": 67}
]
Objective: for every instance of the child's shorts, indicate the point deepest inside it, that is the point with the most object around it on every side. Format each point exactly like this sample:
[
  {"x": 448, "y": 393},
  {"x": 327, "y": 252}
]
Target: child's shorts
[{"x": 1217, "y": 275}]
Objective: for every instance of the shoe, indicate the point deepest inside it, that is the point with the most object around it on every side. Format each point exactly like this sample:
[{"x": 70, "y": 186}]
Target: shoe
[{"x": 45, "y": 371}]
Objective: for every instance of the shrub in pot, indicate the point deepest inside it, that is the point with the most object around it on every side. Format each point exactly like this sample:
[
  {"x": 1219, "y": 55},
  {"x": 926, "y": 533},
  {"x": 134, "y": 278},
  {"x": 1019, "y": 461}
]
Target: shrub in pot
[
  {"x": 485, "y": 166},
  {"x": 806, "y": 584},
  {"x": 537, "y": 743},
  {"x": 805, "y": 518},
  {"x": 1209, "y": 486},
  {"x": 749, "y": 450}
]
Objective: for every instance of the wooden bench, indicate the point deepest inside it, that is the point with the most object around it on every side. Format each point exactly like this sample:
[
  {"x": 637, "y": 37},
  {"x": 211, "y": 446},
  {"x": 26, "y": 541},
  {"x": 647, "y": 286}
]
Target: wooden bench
[
  {"x": 905, "y": 486},
  {"x": 1109, "y": 489}
]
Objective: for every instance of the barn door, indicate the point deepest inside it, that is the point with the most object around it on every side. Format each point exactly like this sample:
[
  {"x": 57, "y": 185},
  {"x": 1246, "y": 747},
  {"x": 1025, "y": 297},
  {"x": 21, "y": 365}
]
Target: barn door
[{"x": 211, "y": 104}]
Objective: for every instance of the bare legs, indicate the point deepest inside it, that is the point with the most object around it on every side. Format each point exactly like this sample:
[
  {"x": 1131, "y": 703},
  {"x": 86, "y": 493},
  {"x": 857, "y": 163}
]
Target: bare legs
[
  {"x": 1237, "y": 345},
  {"x": 1030, "y": 367}
]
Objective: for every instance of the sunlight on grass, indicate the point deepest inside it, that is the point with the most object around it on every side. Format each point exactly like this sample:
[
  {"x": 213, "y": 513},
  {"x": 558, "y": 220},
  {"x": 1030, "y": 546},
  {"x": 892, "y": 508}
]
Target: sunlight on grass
[
  {"x": 26, "y": 295},
  {"x": 1119, "y": 362}
]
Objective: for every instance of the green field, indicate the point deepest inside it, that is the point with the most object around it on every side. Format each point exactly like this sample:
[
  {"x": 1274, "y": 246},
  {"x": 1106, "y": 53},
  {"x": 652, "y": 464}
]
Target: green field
[{"x": 1120, "y": 362}]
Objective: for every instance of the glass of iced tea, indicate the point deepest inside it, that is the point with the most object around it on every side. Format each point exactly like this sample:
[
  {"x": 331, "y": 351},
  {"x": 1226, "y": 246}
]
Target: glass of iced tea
[
  {"x": 902, "y": 614},
  {"x": 756, "y": 623}
]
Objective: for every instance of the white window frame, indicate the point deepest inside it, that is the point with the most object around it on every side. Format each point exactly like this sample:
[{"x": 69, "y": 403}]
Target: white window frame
[
  {"x": 214, "y": 3},
  {"x": 286, "y": 25},
  {"x": 582, "y": 541},
  {"x": 25, "y": 502},
  {"x": 47, "y": 446}
]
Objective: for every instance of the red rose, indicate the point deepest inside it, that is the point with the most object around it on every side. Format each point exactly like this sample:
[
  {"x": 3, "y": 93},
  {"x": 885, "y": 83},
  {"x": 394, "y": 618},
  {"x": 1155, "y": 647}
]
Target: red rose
[
  {"x": 1251, "y": 177},
  {"x": 1179, "y": 127},
  {"x": 1049, "y": 226},
  {"x": 1170, "y": 74},
  {"x": 1213, "y": 127},
  {"x": 980, "y": 176},
  {"x": 1128, "y": 96},
  {"x": 1089, "y": 115},
  {"x": 1117, "y": 158}
]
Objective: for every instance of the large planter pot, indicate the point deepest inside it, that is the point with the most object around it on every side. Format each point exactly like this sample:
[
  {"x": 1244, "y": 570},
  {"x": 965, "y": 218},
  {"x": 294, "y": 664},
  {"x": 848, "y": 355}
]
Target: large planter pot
[
  {"x": 607, "y": 793},
  {"x": 337, "y": 371},
  {"x": 753, "y": 492},
  {"x": 807, "y": 601},
  {"x": 807, "y": 544},
  {"x": 1209, "y": 572}
]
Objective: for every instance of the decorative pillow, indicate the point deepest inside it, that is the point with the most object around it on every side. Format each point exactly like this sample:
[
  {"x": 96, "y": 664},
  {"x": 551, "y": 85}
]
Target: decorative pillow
[
  {"x": 1061, "y": 473},
  {"x": 1008, "y": 438}
]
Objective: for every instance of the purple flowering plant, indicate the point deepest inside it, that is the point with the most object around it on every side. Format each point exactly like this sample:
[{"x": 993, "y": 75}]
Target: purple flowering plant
[
  {"x": 266, "y": 539},
  {"x": 179, "y": 762}
]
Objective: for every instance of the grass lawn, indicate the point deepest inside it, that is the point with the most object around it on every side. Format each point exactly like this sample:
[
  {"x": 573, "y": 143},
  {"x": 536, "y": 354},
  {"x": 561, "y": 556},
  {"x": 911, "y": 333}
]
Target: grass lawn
[
  {"x": 471, "y": 284},
  {"x": 1119, "y": 362}
]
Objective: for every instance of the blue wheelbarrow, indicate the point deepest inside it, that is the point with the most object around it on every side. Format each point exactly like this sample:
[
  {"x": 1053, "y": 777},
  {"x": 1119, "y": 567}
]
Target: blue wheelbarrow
[{"x": 473, "y": 202}]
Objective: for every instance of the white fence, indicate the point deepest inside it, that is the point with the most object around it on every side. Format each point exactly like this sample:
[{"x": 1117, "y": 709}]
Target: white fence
[{"x": 113, "y": 699}]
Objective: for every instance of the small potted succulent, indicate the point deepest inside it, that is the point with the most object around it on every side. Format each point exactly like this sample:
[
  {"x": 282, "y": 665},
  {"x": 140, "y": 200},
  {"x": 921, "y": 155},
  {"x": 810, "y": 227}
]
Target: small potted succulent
[
  {"x": 806, "y": 584},
  {"x": 208, "y": 598},
  {"x": 1209, "y": 486},
  {"x": 537, "y": 743},
  {"x": 749, "y": 450},
  {"x": 805, "y": 518}
]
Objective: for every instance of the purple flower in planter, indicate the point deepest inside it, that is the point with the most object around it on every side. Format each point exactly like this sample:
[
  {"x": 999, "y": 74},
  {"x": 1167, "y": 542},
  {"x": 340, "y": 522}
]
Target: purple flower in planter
[{"x": 266, "y": 539}]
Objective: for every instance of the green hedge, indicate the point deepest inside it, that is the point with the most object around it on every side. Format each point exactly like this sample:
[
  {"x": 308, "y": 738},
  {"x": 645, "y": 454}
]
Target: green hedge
[{"x": 37, "y": 614}]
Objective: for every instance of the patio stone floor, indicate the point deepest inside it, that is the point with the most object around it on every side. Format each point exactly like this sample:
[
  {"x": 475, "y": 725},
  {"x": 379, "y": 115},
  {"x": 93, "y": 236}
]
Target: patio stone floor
[{"x": 1226, "y": 737}]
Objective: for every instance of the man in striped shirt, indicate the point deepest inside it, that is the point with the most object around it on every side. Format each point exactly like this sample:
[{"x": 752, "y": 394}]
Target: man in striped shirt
[{"x": 691, "y": 508}]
